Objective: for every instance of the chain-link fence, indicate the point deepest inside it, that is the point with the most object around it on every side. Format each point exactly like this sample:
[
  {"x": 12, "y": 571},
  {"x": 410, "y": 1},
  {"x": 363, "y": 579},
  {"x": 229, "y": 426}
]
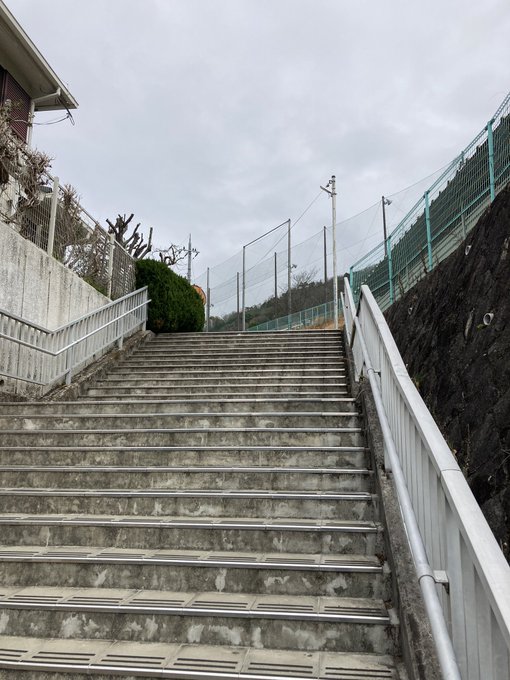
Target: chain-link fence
[
  {"x": 51, "y": 216},
  {"x": 441, "y": 217},
  {"x": 269, "y": 265},
  {"x": 425, "y": 223}
]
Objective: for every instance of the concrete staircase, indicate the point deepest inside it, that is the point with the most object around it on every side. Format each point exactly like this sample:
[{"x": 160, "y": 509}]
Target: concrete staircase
[{"x": 205, "y": 511}]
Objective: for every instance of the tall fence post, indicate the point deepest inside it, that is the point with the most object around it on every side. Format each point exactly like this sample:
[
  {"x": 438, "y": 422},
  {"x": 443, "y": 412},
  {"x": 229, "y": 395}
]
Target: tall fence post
[
  {"x": 244, "y": 288},
  {"x": 53, "y": 218},
  {"x": 208, "y": 304},
  {"x": 490, "y": 146},
  {"x": 289, "y": 273},
  {"x": 110, "y": 265},
  {"x": 390, "y": 269},
  {"x": 275, "y": 287},
  {"x": 238, "y": 308},
  {"x": 429, "y": 231}
]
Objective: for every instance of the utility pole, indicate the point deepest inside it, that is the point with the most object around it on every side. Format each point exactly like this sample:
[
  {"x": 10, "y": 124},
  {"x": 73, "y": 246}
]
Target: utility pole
[
  {"x": 289, "y": 271},
  {"x": 384, "y": 203},
  {"x": 332, "y": 193},
  {"x": 387, "y": 248},
  {"x": 189, "y": 259},
  {"x": 325, "y": 269}
]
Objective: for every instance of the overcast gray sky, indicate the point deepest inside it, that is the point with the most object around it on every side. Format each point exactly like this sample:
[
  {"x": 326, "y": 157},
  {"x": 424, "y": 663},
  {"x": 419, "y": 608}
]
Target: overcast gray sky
[{"x": 222, "y": 117}]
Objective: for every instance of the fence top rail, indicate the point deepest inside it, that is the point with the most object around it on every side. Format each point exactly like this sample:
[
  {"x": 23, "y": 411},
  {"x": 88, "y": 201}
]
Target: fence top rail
[
  {"x": 48, "y": 331},
  {"x": 489, "y": 561}
]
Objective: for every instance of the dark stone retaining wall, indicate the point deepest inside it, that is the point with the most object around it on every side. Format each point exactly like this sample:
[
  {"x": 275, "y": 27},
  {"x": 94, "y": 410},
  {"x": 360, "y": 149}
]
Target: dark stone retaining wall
[{"x": 462, "y": 366}]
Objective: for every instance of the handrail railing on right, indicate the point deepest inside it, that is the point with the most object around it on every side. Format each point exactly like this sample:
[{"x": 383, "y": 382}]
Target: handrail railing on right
[
  {"x": 42, "y": 356},
  {"x": 456, "y": 538}
]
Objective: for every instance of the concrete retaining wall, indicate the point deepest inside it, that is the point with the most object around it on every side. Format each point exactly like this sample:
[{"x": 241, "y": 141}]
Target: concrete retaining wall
[{"x": 40, "y": 289}]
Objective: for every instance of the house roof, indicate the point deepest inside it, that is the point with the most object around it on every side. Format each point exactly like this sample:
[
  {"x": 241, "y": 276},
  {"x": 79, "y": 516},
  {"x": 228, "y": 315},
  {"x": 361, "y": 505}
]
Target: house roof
[{"x": 25, "y": 63}]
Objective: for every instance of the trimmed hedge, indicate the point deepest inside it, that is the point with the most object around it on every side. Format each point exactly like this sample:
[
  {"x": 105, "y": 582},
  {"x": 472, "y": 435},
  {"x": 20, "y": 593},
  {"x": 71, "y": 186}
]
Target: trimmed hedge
[{"x": 175, "y": 306}]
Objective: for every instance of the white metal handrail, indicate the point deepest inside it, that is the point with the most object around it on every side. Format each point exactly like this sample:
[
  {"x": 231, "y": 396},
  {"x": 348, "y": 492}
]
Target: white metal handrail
[
  {"x": 456, "y": 538},
  {"x": 38, "y": 355}
]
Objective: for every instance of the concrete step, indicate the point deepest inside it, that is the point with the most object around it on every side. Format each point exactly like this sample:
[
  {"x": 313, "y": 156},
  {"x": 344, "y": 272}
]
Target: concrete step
[
  {"x": 281, "y": 373},
  {"x": 291, "y": 456},
  {"x": 290, "y": 436},
  {"x": 204, "y": 405},
  {"x": 262, "y": 391},
  {"x": 236, "y": 337},
  {"x": 35, "y": 658},
  {"x": 320, "y": 623},
  {"x": 212, "y": 357},
  {"x": 186, "y": 477},
  {"x": 155, "y": 421},
  {"x": 195, "y": 503},
  {"x": 332, "y": 382},
  {"x": 229, "y": 360},
  {"x": 233, "y": 369},
  {"x": 191, "y": 570},
  {"x": 255, "y": 534}
]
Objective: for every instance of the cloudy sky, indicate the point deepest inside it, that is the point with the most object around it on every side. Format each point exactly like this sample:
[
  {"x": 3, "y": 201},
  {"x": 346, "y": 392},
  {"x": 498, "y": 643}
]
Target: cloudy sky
[{"x": 222, "y": 117}]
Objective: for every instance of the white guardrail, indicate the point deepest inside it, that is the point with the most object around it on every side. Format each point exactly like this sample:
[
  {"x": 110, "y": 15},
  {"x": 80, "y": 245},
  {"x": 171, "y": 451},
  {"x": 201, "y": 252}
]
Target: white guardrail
[
  {"x": 459, "y": 549},
  {"x": 41, "y": 356}
]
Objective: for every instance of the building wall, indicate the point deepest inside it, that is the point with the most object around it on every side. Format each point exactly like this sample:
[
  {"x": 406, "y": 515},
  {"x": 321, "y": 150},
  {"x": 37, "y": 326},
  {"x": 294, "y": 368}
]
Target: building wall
[{"x": 41, "y": 290}]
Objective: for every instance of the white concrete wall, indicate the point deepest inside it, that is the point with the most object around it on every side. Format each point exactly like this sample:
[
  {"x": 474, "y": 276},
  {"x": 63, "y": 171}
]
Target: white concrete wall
[{"x": 41, "y": 290}]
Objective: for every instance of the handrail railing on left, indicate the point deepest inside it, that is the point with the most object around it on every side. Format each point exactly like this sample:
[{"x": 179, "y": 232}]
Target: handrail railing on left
[{"x": 41, "y": 356}]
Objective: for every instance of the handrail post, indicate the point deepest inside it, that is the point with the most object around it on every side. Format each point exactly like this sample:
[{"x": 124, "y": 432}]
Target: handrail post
[{"x": 53, "y": 218}]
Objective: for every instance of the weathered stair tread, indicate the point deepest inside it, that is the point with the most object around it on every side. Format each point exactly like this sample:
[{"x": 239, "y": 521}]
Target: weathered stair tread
[
  {"x": 158, "y": 406},
  {"x": 206, "y": 558},
  {"x": 136, "y": 659},
  {"x": 314, "y": 525},
  {"x": 334, "y": 609},
  {"x": 354, "y": 496},
  {"x": 219, "y": 469},
  {"x": 205, "y": 511}
]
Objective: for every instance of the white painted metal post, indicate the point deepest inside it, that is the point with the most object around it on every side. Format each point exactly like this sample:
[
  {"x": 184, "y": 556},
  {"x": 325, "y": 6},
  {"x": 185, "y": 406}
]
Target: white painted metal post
[{"x": 53, "y": 218}]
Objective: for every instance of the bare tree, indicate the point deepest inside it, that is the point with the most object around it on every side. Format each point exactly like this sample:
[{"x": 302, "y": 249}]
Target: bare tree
[
  {"x": 174, "y": 254},
  {"x": 133, "y": 244}
]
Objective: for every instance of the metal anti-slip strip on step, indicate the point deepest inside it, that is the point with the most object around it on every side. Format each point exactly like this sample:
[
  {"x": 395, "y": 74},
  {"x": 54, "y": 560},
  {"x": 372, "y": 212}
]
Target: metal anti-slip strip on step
[
  {"x": 217, "y": 523},
  {"x": 168, "y": 430},
  {"x": 197, "y": 662},
  {"x": 214, "y": 469},
  {"x": 312, "y": 609},
  {"x": 203, "y": 559},
  {"x": 215, "y": 493}
]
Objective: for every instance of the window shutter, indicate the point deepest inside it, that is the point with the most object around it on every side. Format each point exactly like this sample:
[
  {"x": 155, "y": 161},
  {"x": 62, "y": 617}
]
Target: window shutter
[{"x": 10, "y": 89}]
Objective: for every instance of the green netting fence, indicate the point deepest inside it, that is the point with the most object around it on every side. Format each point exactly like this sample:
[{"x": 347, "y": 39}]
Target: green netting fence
[
  {"x": 314, "y": 317},
  {"x": 442, "y": 217}
]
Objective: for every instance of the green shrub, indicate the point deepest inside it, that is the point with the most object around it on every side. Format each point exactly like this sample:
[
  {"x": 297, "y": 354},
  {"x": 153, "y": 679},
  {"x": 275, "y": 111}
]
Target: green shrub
[{"x": 174, "y": 306}]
